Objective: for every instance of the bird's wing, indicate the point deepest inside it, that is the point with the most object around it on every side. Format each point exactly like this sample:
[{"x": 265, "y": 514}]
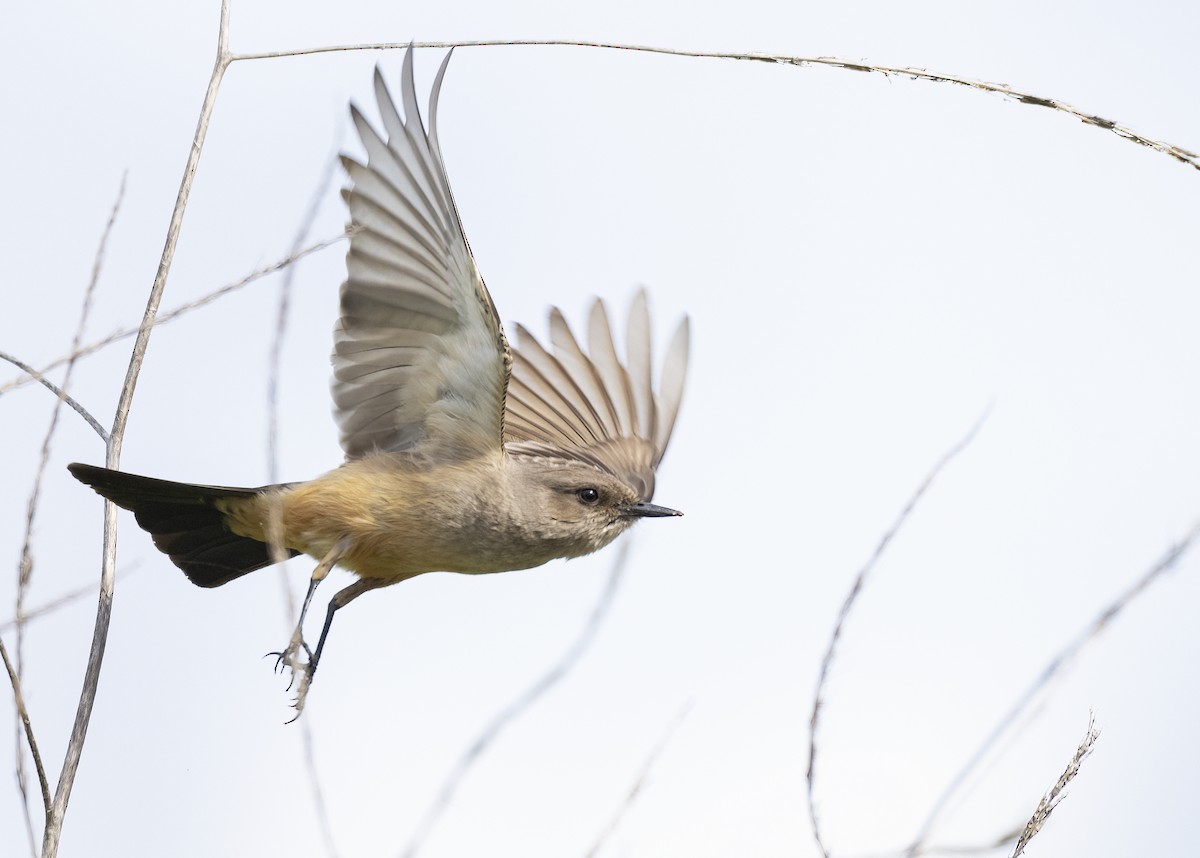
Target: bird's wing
[
  {"x": 590, "y": 406},
  {"x": 420, "y": 360}
]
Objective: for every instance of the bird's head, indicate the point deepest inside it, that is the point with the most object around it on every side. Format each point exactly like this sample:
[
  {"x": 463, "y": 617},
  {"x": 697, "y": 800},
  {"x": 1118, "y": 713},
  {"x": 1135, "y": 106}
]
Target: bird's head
[{"x": 576, "y": 504}]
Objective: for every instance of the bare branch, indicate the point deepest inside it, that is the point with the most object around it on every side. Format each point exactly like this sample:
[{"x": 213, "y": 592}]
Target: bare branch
[
  {"x": 1021, "y": 97},
  {"x": 54, "y": 821},
  {"x": 25, "y": 564},
  {"x": 520, "y": 705},
  {"x": 1051, "y": 799},
  {"x": 278, "y": 552},
  {"x": 848, "y": 604},
  {"x": 162, "y": 318},
  {"x": 23, "y": 715},
  {"x": 33, "y": 375},
  {"x": 19, "y": 699},
  {"x": 57, "y": 602},
  {"x": 635, "y": 790}
]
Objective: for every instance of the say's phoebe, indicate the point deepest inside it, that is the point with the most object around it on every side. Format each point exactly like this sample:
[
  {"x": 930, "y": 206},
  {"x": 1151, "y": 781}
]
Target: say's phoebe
[{"x": 462, "y": 454}]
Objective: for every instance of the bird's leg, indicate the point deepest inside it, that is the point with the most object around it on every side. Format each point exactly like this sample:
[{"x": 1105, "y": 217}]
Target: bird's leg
[
  {"x": 342, "y": 598},
  {"x": 288, "y": 656}
]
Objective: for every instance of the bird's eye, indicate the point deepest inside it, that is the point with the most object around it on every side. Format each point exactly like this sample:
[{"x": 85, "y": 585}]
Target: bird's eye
[{"x": 588, "y": 496}]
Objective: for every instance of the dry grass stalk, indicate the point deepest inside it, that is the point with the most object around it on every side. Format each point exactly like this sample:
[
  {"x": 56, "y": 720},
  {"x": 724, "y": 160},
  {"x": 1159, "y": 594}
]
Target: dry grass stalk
[
  {"x": 1062, "y": 660},
  {"x": 639, "y": 782},
  {"x": 26, "y": 563},
  {"x": 1052, "y": 798},
  {"x": 855, "y": 590},
  {"x": 1178, "y": 153}
]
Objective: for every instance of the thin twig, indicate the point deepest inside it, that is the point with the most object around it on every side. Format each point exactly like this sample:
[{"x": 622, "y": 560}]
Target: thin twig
[
  {"x": 22, "y": 786},
  {"x": 25, "y": 564},
  {"x": 520, "y": 705},
  {"x": 1178, "y": 153},
  {"x": 848, "y": 604},
  {"x": 275, "y": 361},
  {"x": 87, "y": 698},
  {"x": 274, "y": 370},
  {"x": 59, "y": 602},
  {"x": 634, "y": 791},
  {"x": 32, "y": 375},
  {"x": 23, "y": 713},
  {"x": 1051, "y": 799},
  {"x": 1056, "y": 665}
]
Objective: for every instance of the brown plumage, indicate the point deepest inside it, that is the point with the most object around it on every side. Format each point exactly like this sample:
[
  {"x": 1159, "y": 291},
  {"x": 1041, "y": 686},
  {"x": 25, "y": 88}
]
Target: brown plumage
[{"x": 462, "y": 454}]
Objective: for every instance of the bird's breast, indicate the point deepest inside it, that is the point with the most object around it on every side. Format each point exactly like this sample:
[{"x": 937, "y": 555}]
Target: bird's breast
[{"x": 403, "y": 521}]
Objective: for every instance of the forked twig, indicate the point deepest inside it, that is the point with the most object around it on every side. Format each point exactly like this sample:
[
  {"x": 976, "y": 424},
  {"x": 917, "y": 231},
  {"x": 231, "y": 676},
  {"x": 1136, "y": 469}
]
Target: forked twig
[{"x": 848, "y": 604}]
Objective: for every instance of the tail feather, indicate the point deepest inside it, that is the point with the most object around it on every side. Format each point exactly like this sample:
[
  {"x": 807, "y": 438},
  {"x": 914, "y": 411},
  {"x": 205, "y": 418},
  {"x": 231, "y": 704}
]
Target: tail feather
[{"x": 185, "y": 523}]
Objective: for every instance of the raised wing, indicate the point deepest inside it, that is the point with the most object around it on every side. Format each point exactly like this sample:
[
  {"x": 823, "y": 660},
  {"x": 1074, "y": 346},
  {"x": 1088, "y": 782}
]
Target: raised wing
[
  {"x": 590, "y": 406},
  {"x": 420, "y": 360}
]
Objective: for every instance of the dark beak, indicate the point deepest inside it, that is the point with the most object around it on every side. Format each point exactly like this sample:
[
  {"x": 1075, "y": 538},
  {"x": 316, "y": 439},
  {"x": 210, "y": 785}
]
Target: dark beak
[{"x": 648, "y": 510}]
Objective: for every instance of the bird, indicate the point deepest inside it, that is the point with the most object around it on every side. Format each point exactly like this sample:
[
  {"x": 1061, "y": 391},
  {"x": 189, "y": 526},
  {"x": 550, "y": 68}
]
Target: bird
[{"x": 463, "y": 453}]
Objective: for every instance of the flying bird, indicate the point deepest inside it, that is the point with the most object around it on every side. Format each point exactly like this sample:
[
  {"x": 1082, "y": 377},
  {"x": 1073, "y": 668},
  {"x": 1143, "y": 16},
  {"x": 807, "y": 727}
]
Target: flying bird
[{"x": 463, "y": 454}]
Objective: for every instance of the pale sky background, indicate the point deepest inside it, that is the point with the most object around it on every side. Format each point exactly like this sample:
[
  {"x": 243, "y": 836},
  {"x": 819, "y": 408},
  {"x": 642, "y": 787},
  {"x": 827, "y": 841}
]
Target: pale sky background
[{"x": 868, "y": 264}]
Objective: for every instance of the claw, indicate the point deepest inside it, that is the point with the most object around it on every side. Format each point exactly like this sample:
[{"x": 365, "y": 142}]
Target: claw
[
  {"x": 301, "y": 694},
  {"x": 287, "y": 658},
  {"x": 279, "y": 657}
]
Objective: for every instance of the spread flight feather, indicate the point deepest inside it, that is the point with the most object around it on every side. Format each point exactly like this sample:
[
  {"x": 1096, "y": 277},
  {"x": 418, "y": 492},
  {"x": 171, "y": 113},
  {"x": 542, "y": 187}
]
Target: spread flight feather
[{"x": 421, "y": 362}]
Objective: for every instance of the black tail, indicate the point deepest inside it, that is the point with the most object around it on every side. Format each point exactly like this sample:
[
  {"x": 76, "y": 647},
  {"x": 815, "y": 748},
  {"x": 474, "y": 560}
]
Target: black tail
[{"x": 185, "y": 523}]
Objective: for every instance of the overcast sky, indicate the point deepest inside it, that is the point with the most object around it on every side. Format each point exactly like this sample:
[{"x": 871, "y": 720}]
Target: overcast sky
[{"x": 870, "y": 264}]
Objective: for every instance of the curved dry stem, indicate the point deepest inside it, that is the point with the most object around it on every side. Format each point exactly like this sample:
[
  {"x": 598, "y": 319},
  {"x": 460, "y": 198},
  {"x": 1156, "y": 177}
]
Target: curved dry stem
[
  {"x": 275, "y": 361},
  {"x": 631, "y": 796},
  {"x": 25, "y": 564},
  {"x": 848, "y": 604},
  {"x": 54, "y": 821},
  {"x": 274, "y": 370},
  {"x": 1169, "y": 149},
  {"x": 520, "y": 705},
  {"x": 1051, "y": 671},
  {"x": 34, "y": 375},
  {"x": 23, "y": 716}
]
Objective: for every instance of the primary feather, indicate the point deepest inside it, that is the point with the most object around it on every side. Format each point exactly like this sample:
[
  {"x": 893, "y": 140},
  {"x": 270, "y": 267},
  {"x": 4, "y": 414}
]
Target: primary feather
[
  {"x": 591, "y": 407},
  {"x": 421, "y": 362}
]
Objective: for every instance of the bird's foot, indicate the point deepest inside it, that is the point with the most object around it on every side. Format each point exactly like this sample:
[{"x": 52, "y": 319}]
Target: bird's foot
[
  {"x": 301, "y": 693},
  {"x": 290, "y": 659}
]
